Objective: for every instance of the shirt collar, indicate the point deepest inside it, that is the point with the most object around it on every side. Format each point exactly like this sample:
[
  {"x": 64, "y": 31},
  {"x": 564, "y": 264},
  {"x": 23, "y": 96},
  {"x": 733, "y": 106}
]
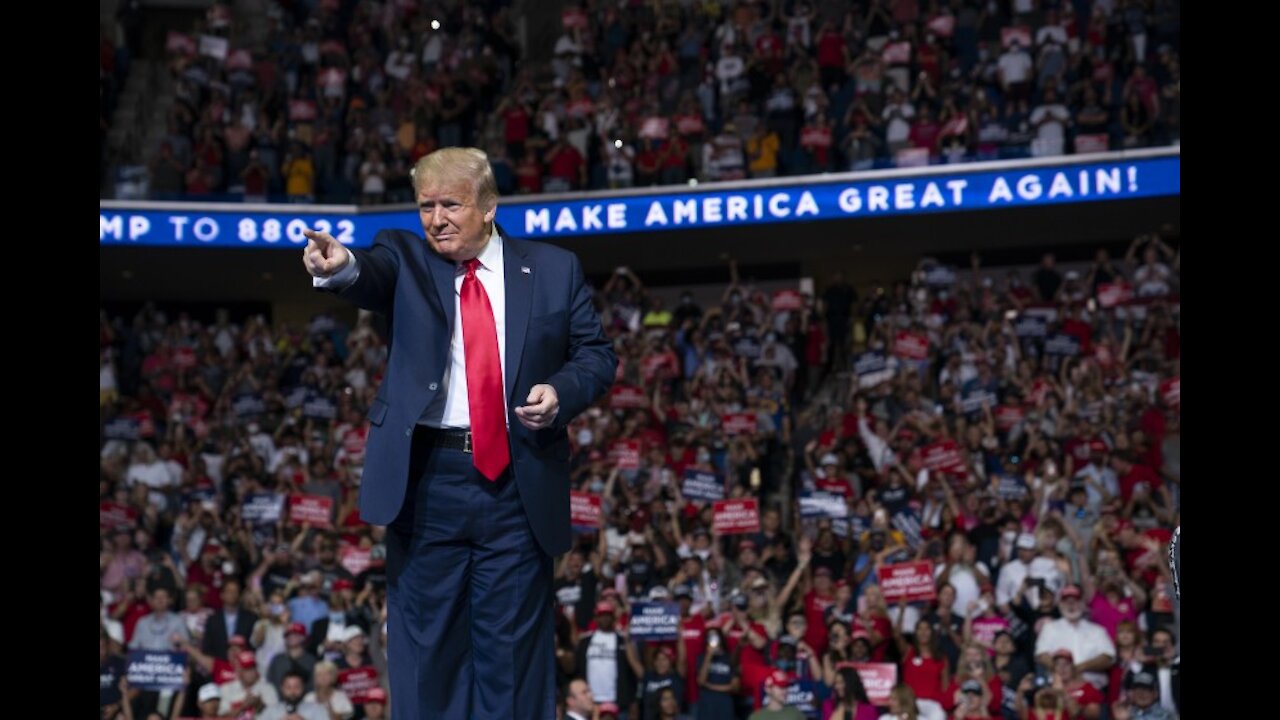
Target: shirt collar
[{"x": 491, "y": 255}]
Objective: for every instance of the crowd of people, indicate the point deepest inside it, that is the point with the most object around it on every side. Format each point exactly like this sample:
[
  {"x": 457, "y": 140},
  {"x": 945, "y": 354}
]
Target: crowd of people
[
  {"x": 335, "y": 101},
  {"x": 1014, "y": 435}
]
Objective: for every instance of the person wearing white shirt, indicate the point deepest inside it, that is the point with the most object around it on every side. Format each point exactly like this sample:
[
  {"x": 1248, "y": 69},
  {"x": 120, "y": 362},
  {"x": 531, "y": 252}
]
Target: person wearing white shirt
[
  {"x": 1026, "y": 565},
  {"x": 249, "y": 691},
  {"x": 451, "y": 408},
  {"x": 1053, "y": 34},
  {"x": 902, "y": 697},
  {"x": 327, "y": 693},
  {"x": 964, "y": 574},
  {"x": 432, "y": 50},
  {"x": 466, "y": 460},
  {"x": 1099, "y": 479},
  {"x": 897, "y": 115},
  {"x": 882, "y": 456},
  {"x": 1088, "y": 641},
  {"x": 400, "y": 62},
  {"x": 568, "y": 55},
  {"x": 1050, "y": 119},
  {"x": 1152, "y": 279},
  {"x": 600, "y": 654},
  {"x": 147, "y": 469},
  {"x": 1014, "y": 67}
]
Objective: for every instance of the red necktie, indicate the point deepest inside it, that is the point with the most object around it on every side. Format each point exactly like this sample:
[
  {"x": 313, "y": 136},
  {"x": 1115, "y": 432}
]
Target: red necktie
[{"x": 491, "y": 454}]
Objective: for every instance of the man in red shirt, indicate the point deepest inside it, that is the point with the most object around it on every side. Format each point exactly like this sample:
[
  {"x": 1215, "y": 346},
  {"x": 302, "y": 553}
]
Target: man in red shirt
[
  {"x": 675, "y": 160},
  {"x": 1131, "y": 475},
  {"x": 769, "y": 52},
  {"x": 816, "y": 602},
  {"x": 208, "y": 573},
  {"x": 1074, "y": 326},
  {"x": 833, "y": 54},
  {"x": 566, "y": 163},
  {"x": 693, "y": 633},
  {"x": 515, "y": 119},
  {"x": 739, "y": 628}
]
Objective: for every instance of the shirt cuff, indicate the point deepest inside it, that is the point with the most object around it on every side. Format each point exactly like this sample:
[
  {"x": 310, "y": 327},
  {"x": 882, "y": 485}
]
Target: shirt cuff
[{"x": 343, "y": 278}]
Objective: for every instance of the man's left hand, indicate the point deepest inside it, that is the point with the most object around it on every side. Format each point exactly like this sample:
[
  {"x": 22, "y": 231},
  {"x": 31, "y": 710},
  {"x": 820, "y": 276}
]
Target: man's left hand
[{"x": 540, "y": 408}]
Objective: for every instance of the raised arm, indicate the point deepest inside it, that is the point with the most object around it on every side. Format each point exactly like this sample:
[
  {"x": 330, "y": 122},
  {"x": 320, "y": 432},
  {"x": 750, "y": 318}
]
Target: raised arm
[
  {"x": 375, "y": 270},
  {"x": 896, "y": 625},
  {"x": 804, "y": 553},
  {"x": 633, "y": 657}
]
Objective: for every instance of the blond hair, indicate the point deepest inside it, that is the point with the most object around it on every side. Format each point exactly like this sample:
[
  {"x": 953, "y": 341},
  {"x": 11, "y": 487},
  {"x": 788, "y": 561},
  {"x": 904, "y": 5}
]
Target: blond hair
[
  {"x": 326, "y": 667},
  {"x": 906, "y": 697},
  {"x": 456, "y": 164}
]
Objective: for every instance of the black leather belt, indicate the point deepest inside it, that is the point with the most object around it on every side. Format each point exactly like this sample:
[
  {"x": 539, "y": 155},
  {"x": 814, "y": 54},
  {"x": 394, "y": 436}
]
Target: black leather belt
[{"x": 450, "y": 439}]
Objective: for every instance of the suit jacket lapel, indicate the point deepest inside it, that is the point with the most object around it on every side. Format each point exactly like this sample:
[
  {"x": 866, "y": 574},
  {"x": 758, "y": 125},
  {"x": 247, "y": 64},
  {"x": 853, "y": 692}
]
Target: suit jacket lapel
[
  {"x": 443, "y": 272},
  {"x": 519, "y": 286}
]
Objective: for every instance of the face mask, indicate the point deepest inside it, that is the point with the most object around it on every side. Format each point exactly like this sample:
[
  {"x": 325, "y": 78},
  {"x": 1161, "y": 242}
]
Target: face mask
[
  {"x": 704, "y": 458},
  {"x": 597, "y": 487},
  {"x": 585, "y": 437}
]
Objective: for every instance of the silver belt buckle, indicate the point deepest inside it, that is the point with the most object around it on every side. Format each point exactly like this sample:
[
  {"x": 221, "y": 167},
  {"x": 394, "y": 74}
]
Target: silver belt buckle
[{"x": 466, "y": 443}]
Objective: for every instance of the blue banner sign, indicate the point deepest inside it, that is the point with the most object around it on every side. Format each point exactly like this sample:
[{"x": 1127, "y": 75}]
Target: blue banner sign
[{"x": 981, "y": 186}]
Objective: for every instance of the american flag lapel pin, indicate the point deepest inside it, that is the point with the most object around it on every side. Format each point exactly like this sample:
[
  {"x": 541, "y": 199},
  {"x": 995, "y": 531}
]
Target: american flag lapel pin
[{"x": 525, "y": 269}]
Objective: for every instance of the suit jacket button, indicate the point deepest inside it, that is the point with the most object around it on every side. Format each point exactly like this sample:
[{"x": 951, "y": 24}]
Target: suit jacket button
[{"x": 433, "y": 386}]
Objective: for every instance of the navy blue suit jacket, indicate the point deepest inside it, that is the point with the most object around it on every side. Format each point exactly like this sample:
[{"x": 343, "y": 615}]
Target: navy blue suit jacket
[{"x": 554, "y": 336}]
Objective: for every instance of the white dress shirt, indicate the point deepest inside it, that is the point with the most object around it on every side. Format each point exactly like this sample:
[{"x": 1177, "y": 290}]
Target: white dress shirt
[
  {"x": 449, "y": 408},
  {"x": 1085, "y": 639}
]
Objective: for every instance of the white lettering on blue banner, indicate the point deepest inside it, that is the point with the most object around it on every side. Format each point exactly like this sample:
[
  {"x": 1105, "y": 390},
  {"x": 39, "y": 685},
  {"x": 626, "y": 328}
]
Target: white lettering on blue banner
[{"x": 976, "y": 188}]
